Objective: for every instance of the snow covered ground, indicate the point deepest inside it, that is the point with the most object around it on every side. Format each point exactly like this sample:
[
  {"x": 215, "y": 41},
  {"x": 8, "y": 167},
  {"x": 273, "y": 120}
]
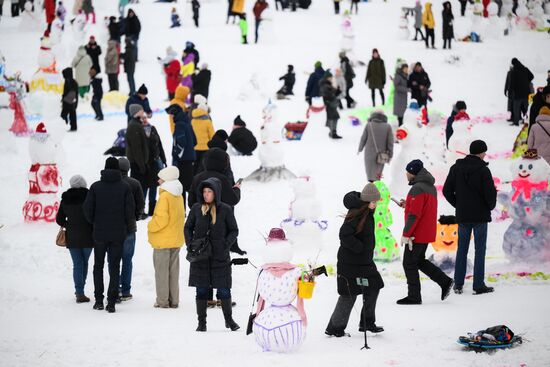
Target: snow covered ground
[{"x": 40, "y": 325}]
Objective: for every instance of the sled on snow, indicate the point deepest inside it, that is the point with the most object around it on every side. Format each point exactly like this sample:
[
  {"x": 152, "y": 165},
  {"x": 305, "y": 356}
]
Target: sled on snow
[{"x": 496, "y": 337}]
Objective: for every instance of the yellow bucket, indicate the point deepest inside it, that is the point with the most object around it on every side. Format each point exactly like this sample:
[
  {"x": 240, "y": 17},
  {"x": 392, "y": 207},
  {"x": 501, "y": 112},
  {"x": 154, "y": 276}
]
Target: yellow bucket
[{"x": 305, "y": 289}]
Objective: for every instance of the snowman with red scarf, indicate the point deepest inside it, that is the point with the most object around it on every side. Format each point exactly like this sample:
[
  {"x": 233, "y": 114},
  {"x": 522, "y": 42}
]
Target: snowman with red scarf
[
  {"x": 44, "y": 180},
  {"x": 279, "y": 326}
]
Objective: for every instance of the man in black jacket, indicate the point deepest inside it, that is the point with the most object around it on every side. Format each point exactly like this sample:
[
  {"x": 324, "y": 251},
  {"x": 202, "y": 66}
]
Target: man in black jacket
[
  {"x": 349, "y": 75},
  {"x": 469, "y": 187},
  {"x": 69, "y": 98},
  {"x": 330, "y": 97},
  {"x": 201, "y": 81},
  {"x": 241, "y": 138},
  {"x": 137, "y": 146},
  {"x": 129, "y": 244},
  {"x": 520, "y": 87},
  {"x": 110, "y": 208},
  {"x": 94, "y": 50}
]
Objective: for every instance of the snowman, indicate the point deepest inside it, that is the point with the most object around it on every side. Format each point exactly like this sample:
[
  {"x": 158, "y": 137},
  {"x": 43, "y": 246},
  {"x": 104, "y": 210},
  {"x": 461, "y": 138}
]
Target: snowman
[
  {"x": 459, "y": 143},
  {"x": 409, "y": 136},
  {"x": 30, "y": 20},
  {"x": 523, "y": 19},
  {"x": 496, "y": 27},
  {"x": 270, "y": 152},
  {"x": 44, "y": 180},
  {"x": 303, "y": 226},
  {"x": 538, "y": 14},
  {"x": 404, "y": 32},
  {"x": 347, "y": 44},
  {"x": 279, "y": 326},
  {"x": 528, "y": 238}
]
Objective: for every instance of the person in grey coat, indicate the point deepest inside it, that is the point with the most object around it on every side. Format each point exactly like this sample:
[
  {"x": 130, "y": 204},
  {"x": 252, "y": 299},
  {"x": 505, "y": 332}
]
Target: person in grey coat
[
  {"x": 400, "y": 96},
  {"x": 377, "y": 138},
  {"x": 418, "y": 21}
]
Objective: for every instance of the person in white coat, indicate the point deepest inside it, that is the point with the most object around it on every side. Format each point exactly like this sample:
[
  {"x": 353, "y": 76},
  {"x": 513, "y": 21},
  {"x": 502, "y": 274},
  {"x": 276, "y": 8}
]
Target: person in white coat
[{"x": 82, "y": 63}]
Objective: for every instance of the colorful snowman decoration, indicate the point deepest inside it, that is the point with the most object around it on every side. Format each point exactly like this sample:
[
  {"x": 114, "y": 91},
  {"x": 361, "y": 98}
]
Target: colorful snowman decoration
[
  {"x": 271, "y": 151},
  {"x": 279, "y": 326},
  {"x": 47, "y": 78},
  {"x": 459, "y": 143},
  {"x": 44, "y": 179},
  {"x": 17, "y": 90},
  {"x": 446, "y": 244},
  {"x": 348, "y": 36},
  {"x": 386, "y": 248},
  {"x": 303, "y": 226},
  {"x": 527, "y": 238}
]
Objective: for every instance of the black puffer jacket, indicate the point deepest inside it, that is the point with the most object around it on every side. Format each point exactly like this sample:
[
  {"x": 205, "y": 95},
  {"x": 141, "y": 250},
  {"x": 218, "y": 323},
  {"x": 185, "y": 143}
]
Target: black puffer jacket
[
  {"x": 470, "y": 188},
  {"x": 71, "y": 217},
  {"x": 216, "y": 163},
  {"x": 520, "y": 80},
  {"x": 69, "y": 98},
  {"x": 330, "y": 98},
  {"x": 216, "y": 272},
  {"x": 243, "y": 140},
  {"x": 110, "y": 207},
  {"x": 356, "y": 251}
]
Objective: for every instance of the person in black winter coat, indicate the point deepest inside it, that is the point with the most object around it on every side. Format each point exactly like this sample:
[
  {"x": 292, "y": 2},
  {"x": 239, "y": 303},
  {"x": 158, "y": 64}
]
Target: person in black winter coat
[
  {"x": 209, "y": 216},
  {"x": 129, "y": 60},
  {"x": 349, "y": 75},
  {"x": 241, "y": 138},
  {"x": 97, "y": 94},
  {"x": 355, "y": 261},
  {"x": 140, "y": 98},
  {"x": 129, "y": 244},
  {"x": 78, "y": 233},
  {"x": 219, "y": 140},
  {"x": 448, "y": 29},
  {"x": 470, "y": 188},
  {"x": 94, "y": 50},
  {"x": 330, "y": 98},
  {"x": 114, "y": 29},
  {"x": 195, "y": 7},
  {"x": 520, "y": 88},
  {"x": 133, "y": 28},
  {"x": 156, "y": 162},
  {"x": 110, "y": 208},
  {"x": 69, "y": 98},
  {"x": 201, "y": 81},
  {"x": 540, "y": 100},
  {"x": 137, "y": 147},
  {"x": 289, "y": 79},
  {"x": 313, "y": 88},
  {"x": 419, "y": 83}
]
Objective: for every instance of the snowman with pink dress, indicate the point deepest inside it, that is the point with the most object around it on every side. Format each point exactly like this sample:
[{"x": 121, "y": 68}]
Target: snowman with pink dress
[{"x": 279, "y": 325}]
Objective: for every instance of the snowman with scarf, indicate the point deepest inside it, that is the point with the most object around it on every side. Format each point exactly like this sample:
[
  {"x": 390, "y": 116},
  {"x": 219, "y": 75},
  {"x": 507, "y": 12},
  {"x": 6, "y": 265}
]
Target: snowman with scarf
[
  {"x": 279, "y": 326},
  {"x": 44, "y": 180}
]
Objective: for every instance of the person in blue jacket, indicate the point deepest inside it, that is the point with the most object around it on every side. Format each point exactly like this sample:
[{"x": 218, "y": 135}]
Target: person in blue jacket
[
  {"x": 140, "y": 98},
  {"x": 313, "y": 88}
]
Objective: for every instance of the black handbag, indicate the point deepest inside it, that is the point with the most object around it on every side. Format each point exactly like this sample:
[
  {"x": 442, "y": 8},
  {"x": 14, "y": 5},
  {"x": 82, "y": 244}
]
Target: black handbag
[
  {"x": 199, "y": 249},
  {"x": 252, "y": 316}
]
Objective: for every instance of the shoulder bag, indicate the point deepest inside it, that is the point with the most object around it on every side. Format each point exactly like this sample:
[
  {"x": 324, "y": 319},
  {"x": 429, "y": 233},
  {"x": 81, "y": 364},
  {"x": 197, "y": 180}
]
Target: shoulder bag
[
  {"x": 381, "y": 157},
  {"x": 199, "y": 249},
  {"x": 60, "y": 239}
]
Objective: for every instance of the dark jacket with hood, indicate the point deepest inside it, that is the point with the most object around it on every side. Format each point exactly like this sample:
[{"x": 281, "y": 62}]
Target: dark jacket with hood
[
  {"x": 218, "y": 141},
  {"x": 416, "y": 80},
  {"x": 355, "y": 255},
  {"x": 133, "y": 26},
  {"x": 201, "y": 82},
  {"x": 330, "y": 98},
  {"x": 69, "y": 98},
  {"x": 347, "y": 69},
  {"x": 94, "y": 53},
  {"x": 421, "y": 209},
  {"x": 520, "y": 80},
  {"x": 137, "y": 145},
  {"x": 135, "y": 99},
  {"x": 243, "y": 140},
  {"x": 71, "y": 217},
  {"x": 216, "y": 163},
  {"x": 110, "y": 208},
  {"x": 470, "y": 188},
  {"x": 216, "y": 271},
  {"x": 448, "y": 18},
  {"x": 184, "y": 139},
  {"x": 313, "y": 88}
]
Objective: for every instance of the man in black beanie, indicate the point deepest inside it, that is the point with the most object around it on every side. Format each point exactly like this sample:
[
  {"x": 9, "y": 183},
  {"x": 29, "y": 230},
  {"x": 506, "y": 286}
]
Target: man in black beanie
[
  {"x": 110, "y": 208},
  {"x": 241, "y": 138},
  {"x": 140, "y": 98},
  {"x": 470, "y": 188}
]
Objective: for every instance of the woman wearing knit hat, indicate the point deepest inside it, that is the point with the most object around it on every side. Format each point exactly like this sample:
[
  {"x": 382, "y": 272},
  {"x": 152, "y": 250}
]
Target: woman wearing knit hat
[
  {"x": 355, "y": 263},
  {"x": 166, "y": 237},
  {"x": 78, "y": 232}
]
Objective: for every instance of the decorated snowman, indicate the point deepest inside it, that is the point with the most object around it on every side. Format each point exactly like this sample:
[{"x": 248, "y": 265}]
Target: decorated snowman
[
  {"x": 270, "y": 152},
  {"x": 459, "y": 143},
  {"x": 348, "y": 37},
  {"x": 404, "y": 32},
  {"x": 528, "y": 238},
  {"x": 303, "y": 225},
  {"x": 44, "y": 180},
  {"x": 17, "y": 90},
  {"x": 386, "y": 248},
  {"x": 446, "y": 244},
  {"x": 279, "y": 326}
]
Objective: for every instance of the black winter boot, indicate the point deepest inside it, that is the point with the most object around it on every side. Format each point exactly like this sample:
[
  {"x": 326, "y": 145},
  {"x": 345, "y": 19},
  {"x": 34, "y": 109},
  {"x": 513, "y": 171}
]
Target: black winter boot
[
  {"x": 201, "y": 314},
  {"x": 227, "y": 314}
]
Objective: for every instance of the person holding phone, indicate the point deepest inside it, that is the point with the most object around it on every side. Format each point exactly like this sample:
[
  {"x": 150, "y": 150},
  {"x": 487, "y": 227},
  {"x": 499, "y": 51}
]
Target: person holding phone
[{"x": 356, "y": 271}]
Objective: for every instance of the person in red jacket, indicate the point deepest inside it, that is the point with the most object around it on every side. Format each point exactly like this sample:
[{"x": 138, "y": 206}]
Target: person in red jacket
[
  {"x": 49, "y": 6},
  {"x": 258, "y": 9},
  {"x": 420, "y": 229},
  {"x": 172, "y": 69}
]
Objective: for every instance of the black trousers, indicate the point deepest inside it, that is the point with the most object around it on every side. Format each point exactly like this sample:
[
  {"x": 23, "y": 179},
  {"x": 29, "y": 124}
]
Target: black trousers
[
  {"x": 14, "y": 10},
  {"x": 196, "y": 20},
  {"x": 418, "y": 30},
  {"x": 114, "y": 252},
  {"x": 429, "y": 34},
  {"x": 355, "y": 5},
  {"x": 447, "y": 41},
  {"x": 68, "y": 113},
  {"x": 350, "y": 101},
  {"x": 96, "y": 105},
  {"x": 113, "y": 81},
  {"x": 373, "y": 95},
  {"x": 519, "y": 109},
  {"x": 256, "y": 27},
  {"x": 198, "y": 164},
  {"x": 463, "y": 7},
  {"x": 336, "y": 7},
  {"x": 415, "y": 260},
  {"x": 340, "y": 315}
]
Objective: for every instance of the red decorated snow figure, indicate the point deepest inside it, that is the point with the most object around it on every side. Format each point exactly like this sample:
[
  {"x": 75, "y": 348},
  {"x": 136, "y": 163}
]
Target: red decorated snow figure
[
  {"x": 44, "y": 179},
  {"x": 16, "y": 91},
  {"x": 279, "y": 326}
]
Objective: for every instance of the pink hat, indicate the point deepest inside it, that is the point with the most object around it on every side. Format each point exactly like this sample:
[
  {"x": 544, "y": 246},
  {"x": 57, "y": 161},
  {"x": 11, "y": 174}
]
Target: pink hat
[{"x": 276, "y": 234}]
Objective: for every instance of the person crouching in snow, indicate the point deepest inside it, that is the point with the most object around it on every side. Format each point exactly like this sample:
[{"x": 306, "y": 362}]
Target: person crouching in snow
[
  {"x": 166, "y": 237},
  {"x": 175, "y": 19},
  {"x": 355, "y": 261}
]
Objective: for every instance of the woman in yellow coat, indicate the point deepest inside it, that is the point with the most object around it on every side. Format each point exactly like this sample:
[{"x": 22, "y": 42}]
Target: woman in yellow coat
[
  {"x": 165, "y": 233},
  {"x": 204, "y": 131},
  {"x": 180, "y": 95},
  {"x": 428, "y": 22}
]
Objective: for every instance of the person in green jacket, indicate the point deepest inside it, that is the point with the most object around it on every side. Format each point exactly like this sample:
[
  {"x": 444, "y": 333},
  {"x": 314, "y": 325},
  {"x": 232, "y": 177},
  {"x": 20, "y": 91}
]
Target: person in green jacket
[
  {"x": 376, "y": 76},
  {"x": 243, "y": 24}
]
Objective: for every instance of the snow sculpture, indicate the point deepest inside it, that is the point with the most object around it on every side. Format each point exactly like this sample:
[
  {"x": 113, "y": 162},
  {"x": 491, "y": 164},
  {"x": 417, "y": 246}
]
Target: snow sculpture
[
  {"x": 16, "y": 90},
  {"x": 459, "y": 143},
  {"x": 386, "y": 248}
]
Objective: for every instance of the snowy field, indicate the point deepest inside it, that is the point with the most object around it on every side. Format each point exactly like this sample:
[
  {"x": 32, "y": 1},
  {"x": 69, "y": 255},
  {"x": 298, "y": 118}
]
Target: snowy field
[{"x": 40, "y": 324}]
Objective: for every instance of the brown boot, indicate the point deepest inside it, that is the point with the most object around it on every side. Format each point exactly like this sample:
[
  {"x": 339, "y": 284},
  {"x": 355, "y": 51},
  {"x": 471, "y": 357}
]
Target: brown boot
[{"x": 80, "y": 298}]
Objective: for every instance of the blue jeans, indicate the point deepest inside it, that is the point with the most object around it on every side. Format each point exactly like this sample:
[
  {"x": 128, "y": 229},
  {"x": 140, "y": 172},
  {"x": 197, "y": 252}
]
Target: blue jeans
[
  {"x": 221, "y": 293},
  {"x": 80, "y": 258},
  {"x": 126, "y": 270},
  {"x": 480, "y": 242}
]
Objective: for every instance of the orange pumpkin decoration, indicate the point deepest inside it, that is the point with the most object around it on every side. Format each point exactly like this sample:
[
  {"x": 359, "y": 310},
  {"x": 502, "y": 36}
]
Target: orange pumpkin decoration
[{"x": 447, "y": 234}]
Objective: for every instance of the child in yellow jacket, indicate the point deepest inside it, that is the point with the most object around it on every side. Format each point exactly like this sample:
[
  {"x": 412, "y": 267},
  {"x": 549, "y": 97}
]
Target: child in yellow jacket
[
  {"x": 204, "y": 131},
  {"x": 165, "y": 234},
  {"x": 428, "y": 22}
]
